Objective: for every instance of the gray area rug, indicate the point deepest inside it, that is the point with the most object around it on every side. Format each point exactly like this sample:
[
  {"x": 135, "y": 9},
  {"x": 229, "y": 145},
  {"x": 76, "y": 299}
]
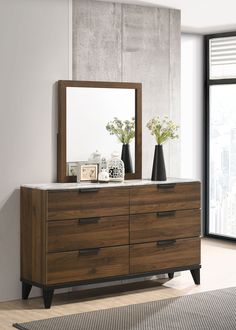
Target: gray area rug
[{"x": 209, "y": 310}]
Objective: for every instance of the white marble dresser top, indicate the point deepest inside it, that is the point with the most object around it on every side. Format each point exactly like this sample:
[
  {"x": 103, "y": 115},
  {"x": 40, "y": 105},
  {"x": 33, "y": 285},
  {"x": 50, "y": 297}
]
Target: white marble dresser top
[{"x": 89, "y": 185}]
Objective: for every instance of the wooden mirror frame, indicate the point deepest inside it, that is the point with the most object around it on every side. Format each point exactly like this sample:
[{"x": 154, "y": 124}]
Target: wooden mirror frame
[{"x": 61, "y": 136}]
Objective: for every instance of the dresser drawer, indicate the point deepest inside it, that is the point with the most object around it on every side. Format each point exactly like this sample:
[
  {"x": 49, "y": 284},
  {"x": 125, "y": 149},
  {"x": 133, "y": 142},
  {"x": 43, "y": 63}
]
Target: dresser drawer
[
  {"x": 86, "y": 203},
  {"x": 87, "y": 264},
  {"x": 165, "y": 197},
  {"x": 164, "y": 255},
  {"x": 78, "y": 234},
  {"x": 151, "y": 227}
]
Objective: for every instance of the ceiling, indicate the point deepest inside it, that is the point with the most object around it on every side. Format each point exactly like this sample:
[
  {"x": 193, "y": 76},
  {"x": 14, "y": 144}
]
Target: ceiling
[{"x": 198, "y": 16}]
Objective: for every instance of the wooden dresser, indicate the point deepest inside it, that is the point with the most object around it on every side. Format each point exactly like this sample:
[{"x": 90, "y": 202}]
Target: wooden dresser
[{"x": 75, "y": 234}]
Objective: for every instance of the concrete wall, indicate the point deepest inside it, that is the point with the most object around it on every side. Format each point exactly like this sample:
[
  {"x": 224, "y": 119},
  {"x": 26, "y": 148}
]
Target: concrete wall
[
  {"x": 34, "y": 55},
  {"x": 120, "y": 42}
]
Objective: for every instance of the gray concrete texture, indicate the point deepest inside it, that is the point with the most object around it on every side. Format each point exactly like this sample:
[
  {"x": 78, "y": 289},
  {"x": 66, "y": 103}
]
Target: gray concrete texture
[{"x": 132, "y": 43}]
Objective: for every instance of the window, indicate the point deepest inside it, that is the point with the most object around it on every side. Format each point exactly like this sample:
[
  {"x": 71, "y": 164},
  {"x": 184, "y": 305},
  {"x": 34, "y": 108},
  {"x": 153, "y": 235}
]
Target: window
[{"x": 221, "y": 136}]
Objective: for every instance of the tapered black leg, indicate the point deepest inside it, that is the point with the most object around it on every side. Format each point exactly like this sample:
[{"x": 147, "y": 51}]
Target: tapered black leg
[
  {"x": 47, "y": 297},
  {"x": 171, "y": 275},
  {"x": 26, "y": 288},
  {"x": 196, "y": 275}
]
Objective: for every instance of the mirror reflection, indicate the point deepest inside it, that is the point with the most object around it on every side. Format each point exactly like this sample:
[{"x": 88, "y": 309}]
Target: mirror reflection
[{"x": 99, "y": 122}]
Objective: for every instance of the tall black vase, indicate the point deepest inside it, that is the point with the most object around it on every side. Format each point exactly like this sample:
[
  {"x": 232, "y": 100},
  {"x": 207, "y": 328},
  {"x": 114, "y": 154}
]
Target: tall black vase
[
  {"x": 126, "y": 157},
  {"x": 158, "y": 168}
]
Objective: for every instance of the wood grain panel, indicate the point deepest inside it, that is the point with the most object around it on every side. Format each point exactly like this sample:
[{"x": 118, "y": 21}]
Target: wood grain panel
[
  {"x": 63, "y": 85},
  {"x": 76, "y": 266},
  {"x": 33, "y": 234},
  {"x": 77, "y": 204},
  {"x": 151, "y": 256},
  {"x": 151, "y": 227},
  {"x": 87, "y": 233},
  {"x": 25, "y": 232},
  {"x": 164, "y": 197}
]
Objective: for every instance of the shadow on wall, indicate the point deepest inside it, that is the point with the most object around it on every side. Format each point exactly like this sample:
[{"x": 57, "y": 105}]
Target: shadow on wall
[
  {"x": 10, "y": 245},
  {"x": 10, "y": 285}
]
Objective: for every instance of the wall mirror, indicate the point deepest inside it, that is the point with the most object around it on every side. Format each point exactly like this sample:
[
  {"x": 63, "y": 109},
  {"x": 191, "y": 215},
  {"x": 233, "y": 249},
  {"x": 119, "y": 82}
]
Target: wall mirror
[{"x": 85, "y": 109}]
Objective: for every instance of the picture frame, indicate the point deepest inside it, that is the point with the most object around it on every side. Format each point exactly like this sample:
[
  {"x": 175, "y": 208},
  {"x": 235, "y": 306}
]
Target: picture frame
[
  {"x": 87, "y": 171},
  {"x": 72, "y": 168}
]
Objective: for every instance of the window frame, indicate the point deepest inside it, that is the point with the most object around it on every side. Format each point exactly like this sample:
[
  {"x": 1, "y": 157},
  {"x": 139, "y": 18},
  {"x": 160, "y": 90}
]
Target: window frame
[{"x": 208, "y": 83}]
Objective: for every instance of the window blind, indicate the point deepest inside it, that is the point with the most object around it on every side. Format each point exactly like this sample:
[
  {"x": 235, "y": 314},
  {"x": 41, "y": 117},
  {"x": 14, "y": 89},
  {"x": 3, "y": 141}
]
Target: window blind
[{"x": 222, "y": 53}]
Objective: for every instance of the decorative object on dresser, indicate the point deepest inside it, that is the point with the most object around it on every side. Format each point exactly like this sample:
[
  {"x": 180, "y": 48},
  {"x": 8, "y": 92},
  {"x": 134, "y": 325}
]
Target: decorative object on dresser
[
  {"x": 72, "y": 169},
  {"x": 87, "y": 172},
  {"x": 103, "y": 164},
  {"x": 103, "y": 176},
  {"x": 85, "y": 108},
  {"x": 125, "y": 133},
  {"x": 116, "y": 168},
  {"x": 126, "y": 158},
  {"x": 75, "y": 234},
  {"x": 163, "y": 130},
  {"x": 158, "y": 167},
  {"x": 95, "y": 157}
]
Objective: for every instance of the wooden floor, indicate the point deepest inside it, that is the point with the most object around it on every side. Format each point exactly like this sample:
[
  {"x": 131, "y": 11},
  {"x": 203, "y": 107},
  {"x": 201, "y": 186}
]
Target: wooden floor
[{"x": 218, "y": 271}]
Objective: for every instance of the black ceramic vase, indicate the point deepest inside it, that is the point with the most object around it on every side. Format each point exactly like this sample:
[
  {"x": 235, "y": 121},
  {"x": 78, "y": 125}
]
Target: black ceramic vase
[
  {"x": 158, "y": 168},
  {"x": 126, "y": 157}
]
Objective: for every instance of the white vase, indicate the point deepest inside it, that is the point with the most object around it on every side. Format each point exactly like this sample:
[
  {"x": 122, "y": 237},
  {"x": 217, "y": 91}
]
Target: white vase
[
  {"x": 116, "y": 168},
  {"x": 103, "y": 176}
]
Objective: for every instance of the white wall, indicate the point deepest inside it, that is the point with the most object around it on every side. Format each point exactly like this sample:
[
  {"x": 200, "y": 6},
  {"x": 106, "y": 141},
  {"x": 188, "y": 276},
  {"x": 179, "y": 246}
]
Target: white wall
[
  {"x": 192, "y": 107},
  {"x": 192, "y": 84},
  {"x": 34, "y": 55}
]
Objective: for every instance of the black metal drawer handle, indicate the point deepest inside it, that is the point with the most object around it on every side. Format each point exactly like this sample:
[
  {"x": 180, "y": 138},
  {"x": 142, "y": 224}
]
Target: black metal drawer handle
[
  {"x": 166, "y": 214},
  {"x": 87, "y": 190},
  {"x": 86, "y": 252},
  {"x": 166, "y": 186},
  {"x": 166, "y": 242},
  {"x": 88, "y": 221}
]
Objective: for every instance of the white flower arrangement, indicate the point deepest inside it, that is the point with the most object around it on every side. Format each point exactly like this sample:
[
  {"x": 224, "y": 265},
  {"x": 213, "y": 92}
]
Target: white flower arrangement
[
  {"x": 124, "y": 130},
  {"x": 163, "y": 129}
]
